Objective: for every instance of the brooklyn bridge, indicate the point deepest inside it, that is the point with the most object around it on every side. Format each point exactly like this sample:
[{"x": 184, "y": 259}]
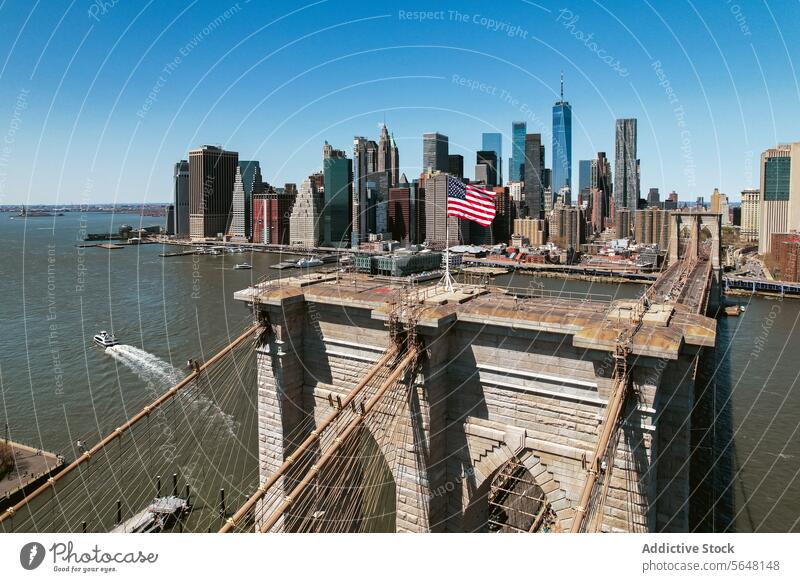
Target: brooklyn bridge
[{"x": 394, "y": 407}]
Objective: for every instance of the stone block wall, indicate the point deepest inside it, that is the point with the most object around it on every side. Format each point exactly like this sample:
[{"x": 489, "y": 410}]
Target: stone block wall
[{"x": 485, "y": 394}]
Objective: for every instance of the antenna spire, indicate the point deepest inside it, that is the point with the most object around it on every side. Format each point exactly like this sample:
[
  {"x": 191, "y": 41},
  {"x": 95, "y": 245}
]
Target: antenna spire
[{"x": 562, "y": 85}]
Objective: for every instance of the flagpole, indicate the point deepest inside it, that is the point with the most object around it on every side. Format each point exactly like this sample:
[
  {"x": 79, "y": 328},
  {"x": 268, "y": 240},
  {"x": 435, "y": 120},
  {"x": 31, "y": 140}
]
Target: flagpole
[
  {"x": 448, "y": 279},
  {"x": 480, "y": 208}
]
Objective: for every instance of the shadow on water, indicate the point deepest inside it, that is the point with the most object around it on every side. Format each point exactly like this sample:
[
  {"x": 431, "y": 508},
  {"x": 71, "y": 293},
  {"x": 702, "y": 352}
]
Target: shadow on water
[{"x": 713, "y": 449}]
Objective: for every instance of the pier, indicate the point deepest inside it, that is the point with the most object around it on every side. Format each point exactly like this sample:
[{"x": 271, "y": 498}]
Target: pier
[
  {"x": 31, "y": 466},
  {"x": 750, "y": 285}
]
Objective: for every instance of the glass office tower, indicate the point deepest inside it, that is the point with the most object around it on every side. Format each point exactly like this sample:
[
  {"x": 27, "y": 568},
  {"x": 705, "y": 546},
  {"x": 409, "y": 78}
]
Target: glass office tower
[
  {"x": 337, "y": 171},
  {"x": 516, "y": 172},
  {"x": 562, "y": 143},
  {"x": 494, "y": 142}
]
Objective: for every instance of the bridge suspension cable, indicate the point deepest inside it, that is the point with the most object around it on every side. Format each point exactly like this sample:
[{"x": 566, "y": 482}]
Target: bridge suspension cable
[
  {"x": 309, "y": 441},
  {"x": 399, "y": 370},
  {"x": 75, "y": 499}
]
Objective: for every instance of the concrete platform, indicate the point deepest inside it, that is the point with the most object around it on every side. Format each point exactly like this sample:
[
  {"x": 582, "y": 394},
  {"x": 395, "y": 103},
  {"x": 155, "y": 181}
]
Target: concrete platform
[
  {"x": 31, "y": 467},
  {"x": 593, "y": 324}
]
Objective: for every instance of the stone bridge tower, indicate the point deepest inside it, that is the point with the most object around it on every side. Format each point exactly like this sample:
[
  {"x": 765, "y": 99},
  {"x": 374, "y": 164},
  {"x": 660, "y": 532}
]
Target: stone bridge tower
[{"x": 506, "y": 408}]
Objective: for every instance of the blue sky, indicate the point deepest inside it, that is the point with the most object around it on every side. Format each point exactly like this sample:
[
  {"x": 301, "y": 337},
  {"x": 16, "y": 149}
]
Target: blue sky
[{"x": 99, "y": 99}]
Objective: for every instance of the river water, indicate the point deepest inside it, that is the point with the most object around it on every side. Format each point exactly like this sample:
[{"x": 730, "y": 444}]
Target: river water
[{"x": 56, "y": 384}]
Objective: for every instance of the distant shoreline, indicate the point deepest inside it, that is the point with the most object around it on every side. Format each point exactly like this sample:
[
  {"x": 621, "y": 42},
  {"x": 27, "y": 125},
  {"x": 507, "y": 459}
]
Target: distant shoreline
[
  {"x": 98, "y": 208},
  {"x": 155, "y": 210}
]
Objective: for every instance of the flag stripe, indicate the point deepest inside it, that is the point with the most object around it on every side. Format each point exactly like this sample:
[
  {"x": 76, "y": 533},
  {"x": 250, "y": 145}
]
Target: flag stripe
[
  {"x": 456, "y": 205},
  {"x": 469, "y": 214},
  {"x": 470, "y": 202},
  {"x": 475, "y": 220}
]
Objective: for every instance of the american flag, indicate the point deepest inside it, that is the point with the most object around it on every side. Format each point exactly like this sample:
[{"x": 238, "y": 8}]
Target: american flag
[{"x": 470, "y": 202}]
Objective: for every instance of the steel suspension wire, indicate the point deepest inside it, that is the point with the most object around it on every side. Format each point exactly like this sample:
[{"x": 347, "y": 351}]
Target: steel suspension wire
[
  {"x": 159, "y": 404},
  {"x": 304, "y": 446},
  {"x": 399, "y": 370},
  {"x": 192, "y": 404},
  {"x": 347, "y": 495},
  {"x": 302, "y": 463}
]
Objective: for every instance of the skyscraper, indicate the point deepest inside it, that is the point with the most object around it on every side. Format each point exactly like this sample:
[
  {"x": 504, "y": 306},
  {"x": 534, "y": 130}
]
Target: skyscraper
[
  {"x": 651, "y": 227},
  {"x": 388, "y": 157},
  {"x": 601, "y": 182},
  {"x": 626, "y": 169},
  {"x": 653, "y": 197},
  {"x": 488, "y": 160},
  {"x": 780, "y": 193},
  {"x": 494, "y": 142},
  {"x": 751, "y": 205},
  {"x": 671, "y": 203},
  {"x": 271, "y": 214},
  {"x": 246, "y": 182},
  {"x": 304, "y": 227},
  {"x": 719, "y": 205},
  {"x": 181, "y": 182},
  {"x": 455, "y": 165},
  {"x": 435, "y": 148},
  {"x": 599, "y": 207},
  {"x": 567, "y": 227},
  {"x": 504, "y": 215},
  {"x": 365, "y": 165},
  {"x": 170, "y": 222},
  {"x": 236, "y": 228},
  {"x": 212, "y": 172},
  {"x": 516, "y": 172},
  {"x": 404, "y": 209},
  {"x": 377, "y": 204},
  {"x": 439, "y": 227},
  {"x": 533, "y": 187},
  {"x": 622, "y": 222},
  {"x": 337, "y": 170},
  {"x": 562, "y": 143},
  {"x": 584, "y": 179}
]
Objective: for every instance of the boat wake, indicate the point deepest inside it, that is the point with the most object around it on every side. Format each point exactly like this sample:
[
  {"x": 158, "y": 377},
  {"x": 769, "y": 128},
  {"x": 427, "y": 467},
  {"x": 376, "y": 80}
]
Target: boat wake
[{"x": 159, "y": 376}]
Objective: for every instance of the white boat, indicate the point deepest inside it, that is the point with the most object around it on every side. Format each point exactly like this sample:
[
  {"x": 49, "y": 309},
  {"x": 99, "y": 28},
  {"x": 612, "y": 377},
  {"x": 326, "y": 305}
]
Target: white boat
[
  {"x": 105, "y": 339},
  {"x": 309, "y": 262},
  {"x": 243, "y": 266}
]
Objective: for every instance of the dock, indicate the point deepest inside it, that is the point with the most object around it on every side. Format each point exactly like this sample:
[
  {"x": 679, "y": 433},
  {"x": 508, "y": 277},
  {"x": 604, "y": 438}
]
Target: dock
[
  {"x": 181, "y": 253},
  {"x": 108, "y": 246},
  {"x": 155, "y": 517},
  {"x": 31, "y": 467},
  {"x": 491, "y": 271}
]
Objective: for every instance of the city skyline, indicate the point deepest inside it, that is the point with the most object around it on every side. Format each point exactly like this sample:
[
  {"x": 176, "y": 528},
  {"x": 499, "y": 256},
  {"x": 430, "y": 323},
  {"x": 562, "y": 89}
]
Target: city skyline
[{"x": 118, "y": 138}]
